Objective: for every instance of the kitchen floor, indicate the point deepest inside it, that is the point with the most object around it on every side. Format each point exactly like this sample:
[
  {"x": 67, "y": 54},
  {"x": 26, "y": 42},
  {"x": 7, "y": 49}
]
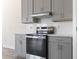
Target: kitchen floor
[{"x": 9, "y": 54}]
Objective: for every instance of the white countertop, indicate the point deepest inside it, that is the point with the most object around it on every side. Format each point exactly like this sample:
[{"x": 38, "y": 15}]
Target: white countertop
[{"x": 68, "y": 35}]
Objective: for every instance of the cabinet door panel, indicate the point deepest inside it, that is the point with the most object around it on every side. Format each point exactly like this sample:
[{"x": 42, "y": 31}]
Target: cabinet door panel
[
  {"x": 24, "y": 48},
  {"x": 47, "y": 5},
  {"x": 68, "y": 8},
  {"x": 60, "y": 48},
  {"x": 66, "y": 51},
  {"x": 26, "y": 11},
  {"x": 38, "y": 6},
  {"x": 18, "y": 46},
  {"x": 53, "y": 50},
  {"x": 58, "y": 8}
]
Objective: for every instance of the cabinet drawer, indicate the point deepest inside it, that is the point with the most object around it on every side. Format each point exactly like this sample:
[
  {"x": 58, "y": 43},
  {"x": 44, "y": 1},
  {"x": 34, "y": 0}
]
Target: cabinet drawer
[{"x": 60, "y": 39}]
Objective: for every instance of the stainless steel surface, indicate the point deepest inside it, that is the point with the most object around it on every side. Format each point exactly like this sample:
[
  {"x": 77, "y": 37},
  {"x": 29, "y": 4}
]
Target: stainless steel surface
[
  {"x": 38, "y": 37},
  {"x": 36, "y": 44},
  {"x": 45, "y": 29},
  {"x": 28, "y": 56},
  {"x": 42, "y": 14}
]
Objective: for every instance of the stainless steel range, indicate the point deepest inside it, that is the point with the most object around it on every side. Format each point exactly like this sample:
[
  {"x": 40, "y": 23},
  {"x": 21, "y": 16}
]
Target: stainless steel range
[
  {"x": 37, "y": 46},
  {"x": 45, "y": 30}
]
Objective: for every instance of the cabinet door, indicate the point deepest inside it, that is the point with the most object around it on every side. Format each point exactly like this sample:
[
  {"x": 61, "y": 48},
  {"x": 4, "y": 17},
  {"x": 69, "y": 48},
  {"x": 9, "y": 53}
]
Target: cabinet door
[
  {"x": 66, "y": 51},
  {"x": 60, "y": 48},
  {"x": 64, "y": 48},
  {"x": 47, "y": 5},
  {"x": 53, "y": 50},
  {"x": 58, "y": 8},
  {"x": 42, "y": 6},
  {"x": 26, "y": 6},
  {"x": 24, "y": 48},
  {"x": 68, "y": 8},
  {"x": 18, "y": 47},
  {"x": 38, "y": 6}
]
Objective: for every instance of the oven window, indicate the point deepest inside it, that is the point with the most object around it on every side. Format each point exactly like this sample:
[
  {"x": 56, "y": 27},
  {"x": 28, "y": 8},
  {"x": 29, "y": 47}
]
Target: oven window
[{"x": 36, "y": 47}]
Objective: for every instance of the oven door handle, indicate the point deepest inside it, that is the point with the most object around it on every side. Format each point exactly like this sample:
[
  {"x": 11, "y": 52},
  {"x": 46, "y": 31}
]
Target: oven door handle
[{"x": 36, "y": 37}]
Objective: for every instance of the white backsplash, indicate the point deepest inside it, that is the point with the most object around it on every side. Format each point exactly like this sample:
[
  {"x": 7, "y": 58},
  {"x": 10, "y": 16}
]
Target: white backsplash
[
  {"x": 64, "y": 28},
  {"x": 61, "y": 27}
]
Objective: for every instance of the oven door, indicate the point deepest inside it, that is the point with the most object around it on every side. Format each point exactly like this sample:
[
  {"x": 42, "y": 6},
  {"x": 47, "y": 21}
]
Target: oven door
[{"x": 37, "y": 45}]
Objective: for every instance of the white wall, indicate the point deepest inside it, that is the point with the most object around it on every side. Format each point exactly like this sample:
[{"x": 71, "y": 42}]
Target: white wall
[
  {"x": 12, "y": 23},
  {"x": 65, "y": 28}
]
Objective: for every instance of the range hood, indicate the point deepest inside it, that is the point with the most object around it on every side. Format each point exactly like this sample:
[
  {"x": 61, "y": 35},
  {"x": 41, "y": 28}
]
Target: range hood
[{"x": 46, "y": 14}]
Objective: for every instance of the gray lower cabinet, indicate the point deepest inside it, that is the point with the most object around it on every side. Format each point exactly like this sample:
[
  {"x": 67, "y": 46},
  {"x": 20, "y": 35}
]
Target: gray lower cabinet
[
  {"x": 20, "y": 45},
  {"x": 60, "y": 47}
]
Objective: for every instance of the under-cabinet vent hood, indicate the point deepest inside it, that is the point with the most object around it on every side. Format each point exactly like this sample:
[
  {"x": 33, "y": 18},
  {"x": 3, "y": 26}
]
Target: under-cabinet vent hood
[{"x": 47, "y": 14}]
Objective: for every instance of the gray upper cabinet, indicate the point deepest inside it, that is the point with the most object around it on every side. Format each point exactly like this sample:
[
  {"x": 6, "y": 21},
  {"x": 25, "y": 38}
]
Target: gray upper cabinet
[
  {"x": 68, "y": 8},
  {"x": 58, "y": 8},
  {"x": 33, "y": 7},
  {"x": 26, "y": 11},
  {"x": 62, "y": 10}
]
